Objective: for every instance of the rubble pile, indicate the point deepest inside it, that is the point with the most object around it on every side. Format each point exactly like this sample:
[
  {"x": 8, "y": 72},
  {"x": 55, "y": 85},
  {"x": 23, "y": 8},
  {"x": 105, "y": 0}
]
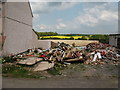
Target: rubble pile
[
  {"x": 93, "y": 53},
  {"x": 93, "y": 46},
  {"x": 99, "y": 53}
]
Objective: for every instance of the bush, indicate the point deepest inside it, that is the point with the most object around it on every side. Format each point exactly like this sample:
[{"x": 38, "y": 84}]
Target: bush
[
  {"x": 35, "y": 51},
  {"x": 9, "y": 59}
]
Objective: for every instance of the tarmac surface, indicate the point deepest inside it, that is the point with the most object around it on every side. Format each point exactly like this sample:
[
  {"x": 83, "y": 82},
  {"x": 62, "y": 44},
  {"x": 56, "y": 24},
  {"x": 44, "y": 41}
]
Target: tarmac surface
[{"x": 60, "y": 83}]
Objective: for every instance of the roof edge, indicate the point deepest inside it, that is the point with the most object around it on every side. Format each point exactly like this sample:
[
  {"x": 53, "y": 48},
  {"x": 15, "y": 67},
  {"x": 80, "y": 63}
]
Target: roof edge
[{"x": 30, "y": 8}]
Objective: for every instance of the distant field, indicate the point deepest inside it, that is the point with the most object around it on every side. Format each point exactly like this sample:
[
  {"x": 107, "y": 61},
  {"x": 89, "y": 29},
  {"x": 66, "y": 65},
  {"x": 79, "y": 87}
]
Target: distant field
[
  {"x": 61, "y": 37},
  {"x": 70, "y": 42},
  {"x": 101, "y": 38}
]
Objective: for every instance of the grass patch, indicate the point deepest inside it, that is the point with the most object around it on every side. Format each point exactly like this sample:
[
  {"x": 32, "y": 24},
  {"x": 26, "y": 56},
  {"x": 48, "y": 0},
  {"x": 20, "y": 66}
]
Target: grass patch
[
  {"x": 8, "y": 59},
  {"x": 1, "y": 60},
  {"x": 78, "y": 67},
  {"x": 18, "y": 72},
  {"x": 56, "y": 70}
]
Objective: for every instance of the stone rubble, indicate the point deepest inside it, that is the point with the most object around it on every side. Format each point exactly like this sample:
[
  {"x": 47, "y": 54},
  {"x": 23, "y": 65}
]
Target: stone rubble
[
  {"x": 43, "y": 66},
  {"x": 93, "y": 53}
]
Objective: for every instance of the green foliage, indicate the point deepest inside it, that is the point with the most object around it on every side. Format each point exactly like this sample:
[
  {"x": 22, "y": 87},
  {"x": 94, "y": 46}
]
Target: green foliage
[
  {"x": 1, "y": 59},
  {"x": 84, "y": 38},
  {"x": 56, "y": 70},
  {"x": 36, "y": 51},
  {"x": 18, "y": 72},
  {"x": 71, "y": 38},
  {"x": 47, "y": 33},
  {"x": 71, "y": 34},
  {"x": 8, "y": 59},
  {"x": 101, "y": 38},
  {"x": 13, "y": 69}
]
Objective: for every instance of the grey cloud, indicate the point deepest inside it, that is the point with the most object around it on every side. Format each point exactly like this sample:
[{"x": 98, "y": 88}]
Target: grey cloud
[{"x": 52, "y": 4}]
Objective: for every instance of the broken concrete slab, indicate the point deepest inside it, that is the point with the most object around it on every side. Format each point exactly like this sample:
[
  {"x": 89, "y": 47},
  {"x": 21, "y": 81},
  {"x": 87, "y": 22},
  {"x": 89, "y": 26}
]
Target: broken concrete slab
[
  {"x": 44, "y": 66},
  {"x": 30, "y": 61}
]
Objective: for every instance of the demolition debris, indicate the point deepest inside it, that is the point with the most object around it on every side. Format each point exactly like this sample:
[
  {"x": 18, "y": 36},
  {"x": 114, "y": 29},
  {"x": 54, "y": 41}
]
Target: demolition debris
[{"x": 93, "y": 53}]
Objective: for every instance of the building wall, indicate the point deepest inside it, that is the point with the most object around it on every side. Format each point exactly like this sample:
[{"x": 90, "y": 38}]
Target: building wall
[
  {"x": 77, "y": 42},
  {"x": 35, "y": 40},
  {"x": 18, "y": 28},
  {"x": 112, "y": 40},
  {"x": 19, "y": 11},
  {"x": 45, "y": 44},
  {"x": 118, "y": 43},
  {"x": 0, "y": 18},
  {"x": 0, "y": 28}
]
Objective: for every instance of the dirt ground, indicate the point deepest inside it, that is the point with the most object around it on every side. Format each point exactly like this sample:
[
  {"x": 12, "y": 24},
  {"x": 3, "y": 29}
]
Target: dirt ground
[{"x": 73, "y": 76}]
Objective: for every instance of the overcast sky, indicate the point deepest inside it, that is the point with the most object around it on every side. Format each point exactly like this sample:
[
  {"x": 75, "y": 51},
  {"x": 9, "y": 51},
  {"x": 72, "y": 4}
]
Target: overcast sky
[{"x": 76, "y": 17}]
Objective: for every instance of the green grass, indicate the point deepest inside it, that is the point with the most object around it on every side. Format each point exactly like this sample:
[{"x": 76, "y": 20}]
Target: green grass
[
  {"x": 1, "y": 60},
  {"x": 8, "y": 59},
  {"x": 18, "y": 72},
  {"x": 56, "y": 70},
  {"x": 78, "y": 67}
]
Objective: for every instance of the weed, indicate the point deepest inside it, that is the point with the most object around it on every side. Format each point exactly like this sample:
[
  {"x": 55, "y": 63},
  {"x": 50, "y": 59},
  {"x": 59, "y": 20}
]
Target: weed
[
  {"x": 8, "y": 59},
  {"x": 56, "y": 70},
  {"x": 1, "y": 60},
  {"x": 18, "y": 72}
]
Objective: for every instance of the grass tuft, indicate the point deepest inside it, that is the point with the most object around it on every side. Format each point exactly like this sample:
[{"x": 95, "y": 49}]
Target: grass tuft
[
  {"x": 56, "y": 70},
  {"x": 18, "y": 72}
]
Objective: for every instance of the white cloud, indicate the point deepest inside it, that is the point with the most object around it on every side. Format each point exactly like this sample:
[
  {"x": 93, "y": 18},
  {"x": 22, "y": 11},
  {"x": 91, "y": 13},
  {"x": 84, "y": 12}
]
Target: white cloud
[
  {"x": 90, "y": 17},
  {"x": 39, "y": 7},
  {"x": 59, "y": 20},
  {"x": 42, "y": 26},
  {"x": 108, "y": 15},
  {"x": 60, "y": 26},
  {"x": 36, "y": 15},
  {"x": 65, "y": 5},
  {"x": 86, "y": 20},
  {"x": 45, "y": 7},
  {"x": 52, "y": 27},
  {"x": 94, "y": 16}
]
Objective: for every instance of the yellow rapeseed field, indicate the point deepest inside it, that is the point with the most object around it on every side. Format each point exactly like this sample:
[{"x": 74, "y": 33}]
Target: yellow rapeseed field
[{"x": 62, "y": 37}]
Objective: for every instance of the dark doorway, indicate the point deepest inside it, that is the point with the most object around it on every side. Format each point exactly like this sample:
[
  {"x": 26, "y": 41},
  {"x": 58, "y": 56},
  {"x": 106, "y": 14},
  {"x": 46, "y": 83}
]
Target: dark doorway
[{"x": 118, "y": 43}]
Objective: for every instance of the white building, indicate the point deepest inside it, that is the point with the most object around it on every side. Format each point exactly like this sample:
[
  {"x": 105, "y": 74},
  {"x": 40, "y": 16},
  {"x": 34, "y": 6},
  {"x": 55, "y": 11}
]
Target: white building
[
  {"x": 16, "y": 33},
  {"x": 114, "y": 40}
]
